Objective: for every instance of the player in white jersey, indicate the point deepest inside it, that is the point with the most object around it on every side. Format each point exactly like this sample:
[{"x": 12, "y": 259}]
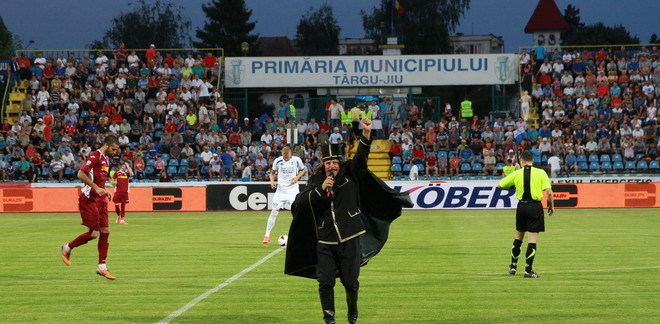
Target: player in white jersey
[{"x": 289, "y": 169}]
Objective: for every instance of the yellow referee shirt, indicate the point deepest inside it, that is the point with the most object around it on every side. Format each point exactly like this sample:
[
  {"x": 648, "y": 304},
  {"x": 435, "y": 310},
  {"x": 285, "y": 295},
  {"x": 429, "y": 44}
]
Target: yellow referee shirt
[{"x": 539, "y": 181}]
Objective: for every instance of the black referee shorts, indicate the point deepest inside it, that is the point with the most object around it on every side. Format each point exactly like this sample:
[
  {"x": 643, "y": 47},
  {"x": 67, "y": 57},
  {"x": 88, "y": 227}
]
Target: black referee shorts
[{"x": 529, "y": 217}]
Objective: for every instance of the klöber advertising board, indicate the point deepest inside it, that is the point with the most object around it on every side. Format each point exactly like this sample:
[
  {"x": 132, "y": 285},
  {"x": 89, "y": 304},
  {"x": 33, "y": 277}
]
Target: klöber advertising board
[{"x": 374, "y": 71}]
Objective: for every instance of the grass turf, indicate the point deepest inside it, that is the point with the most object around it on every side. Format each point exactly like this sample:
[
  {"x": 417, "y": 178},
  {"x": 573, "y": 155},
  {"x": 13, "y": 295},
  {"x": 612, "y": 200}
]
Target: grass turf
[{"x": 444, "y": 266}]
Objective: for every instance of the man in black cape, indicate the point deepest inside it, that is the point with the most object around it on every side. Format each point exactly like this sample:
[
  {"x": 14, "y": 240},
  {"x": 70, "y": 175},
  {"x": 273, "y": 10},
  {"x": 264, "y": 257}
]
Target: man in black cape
[{"x": 340, "y": 221}]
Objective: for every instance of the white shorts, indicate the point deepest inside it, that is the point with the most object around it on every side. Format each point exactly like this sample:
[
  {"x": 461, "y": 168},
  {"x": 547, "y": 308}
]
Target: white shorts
[{"x": 283, "y": 201}]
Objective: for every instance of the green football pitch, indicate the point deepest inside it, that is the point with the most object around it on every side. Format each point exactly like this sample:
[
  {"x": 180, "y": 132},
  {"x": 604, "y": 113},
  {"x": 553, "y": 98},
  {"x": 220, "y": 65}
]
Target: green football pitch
[{"x": 596, "y": 266}]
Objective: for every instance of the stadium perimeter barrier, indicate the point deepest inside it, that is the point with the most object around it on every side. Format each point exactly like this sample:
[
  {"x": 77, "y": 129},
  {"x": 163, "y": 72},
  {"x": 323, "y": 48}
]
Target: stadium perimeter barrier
[{"x": 632, "y": 192}]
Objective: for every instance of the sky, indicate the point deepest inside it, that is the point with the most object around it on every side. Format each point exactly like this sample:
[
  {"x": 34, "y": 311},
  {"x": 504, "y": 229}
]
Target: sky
[{"x": 72, "y": 24}]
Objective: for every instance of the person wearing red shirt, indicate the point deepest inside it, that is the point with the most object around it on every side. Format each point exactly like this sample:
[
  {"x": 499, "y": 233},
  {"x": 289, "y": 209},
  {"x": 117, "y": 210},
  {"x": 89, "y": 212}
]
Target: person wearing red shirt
[
  {"x": 431, "y": 164},
  {"x": 395, "y": 149},
  {"x": 209, "y": 62},
  {"x": 121, "y": 179},
  {"x": 151, "y": 56},
  {"x": 93, "y": 204},
  {"x": 418, "y": 155},
  {"x": 324, "y": 126},
  {"x": 138, "y": 166},
  {"x": 169, "y": 126}
]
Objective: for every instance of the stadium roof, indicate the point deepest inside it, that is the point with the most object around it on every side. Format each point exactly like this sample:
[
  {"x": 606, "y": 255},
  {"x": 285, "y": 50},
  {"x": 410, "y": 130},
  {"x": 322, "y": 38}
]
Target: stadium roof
[
  {"x": 546, "y": 16},
  {"x": 277, "y": 46}
]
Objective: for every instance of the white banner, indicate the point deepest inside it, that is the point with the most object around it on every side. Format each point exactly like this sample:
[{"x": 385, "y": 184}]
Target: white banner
[
  {"x": 457, "y": 194},
  {"x": 370, "y": 71}
]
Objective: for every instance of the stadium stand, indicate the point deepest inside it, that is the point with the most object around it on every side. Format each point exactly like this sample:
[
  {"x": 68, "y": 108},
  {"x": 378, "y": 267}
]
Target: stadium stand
[{"x": 596, "y": 111}]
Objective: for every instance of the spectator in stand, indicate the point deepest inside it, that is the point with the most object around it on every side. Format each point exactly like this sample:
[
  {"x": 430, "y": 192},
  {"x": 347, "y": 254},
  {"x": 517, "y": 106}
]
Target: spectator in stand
[
  {"x": 431, "y": 165},
  {"x": 454, "y": 165},
  {"x": 414, "y": 171}
]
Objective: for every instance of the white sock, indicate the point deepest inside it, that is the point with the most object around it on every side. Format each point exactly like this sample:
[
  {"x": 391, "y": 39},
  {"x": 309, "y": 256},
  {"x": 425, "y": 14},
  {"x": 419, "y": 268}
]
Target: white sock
[
  {"x": 102, "y": 266},
  {"x": 66, "y": 247},
  {"x": 271, "y": 221}
]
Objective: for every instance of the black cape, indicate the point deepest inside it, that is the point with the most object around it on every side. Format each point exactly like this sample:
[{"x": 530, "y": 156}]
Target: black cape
[{"x": 380, "y": 206}]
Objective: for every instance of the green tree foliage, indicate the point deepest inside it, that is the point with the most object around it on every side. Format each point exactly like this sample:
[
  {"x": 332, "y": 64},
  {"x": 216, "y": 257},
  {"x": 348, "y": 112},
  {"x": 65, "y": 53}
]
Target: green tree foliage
[
  {"x": 654, "y": 39},
  {"x": 593, "y": 34},
  {"x": 160, "y": 23},
  {"x": 423, "y": 28},
  {"x": 6, "y": 41},
  {"x": 227, "y": 27},
  {"x": 319, "y": 32}
]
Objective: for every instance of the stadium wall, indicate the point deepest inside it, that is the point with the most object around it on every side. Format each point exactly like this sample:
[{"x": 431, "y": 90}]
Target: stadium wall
[{"x": 426, "y": 195}]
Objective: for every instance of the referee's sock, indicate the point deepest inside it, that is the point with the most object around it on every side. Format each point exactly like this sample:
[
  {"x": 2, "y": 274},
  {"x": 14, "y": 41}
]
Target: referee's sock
[
  {"x": 529, "y": 256},
  {"x": 515, "y": 253}
]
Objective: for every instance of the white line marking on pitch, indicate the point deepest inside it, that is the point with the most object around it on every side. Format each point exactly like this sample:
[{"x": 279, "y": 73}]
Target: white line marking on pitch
[{"x": 215, "y": 289}]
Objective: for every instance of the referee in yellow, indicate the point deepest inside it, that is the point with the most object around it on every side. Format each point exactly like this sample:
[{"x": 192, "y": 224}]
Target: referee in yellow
[{"x": 530, "y": 183}]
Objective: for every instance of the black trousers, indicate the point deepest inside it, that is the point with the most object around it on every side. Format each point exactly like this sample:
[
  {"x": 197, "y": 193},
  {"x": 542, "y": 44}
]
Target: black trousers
[{"x": 343, "y": 261}]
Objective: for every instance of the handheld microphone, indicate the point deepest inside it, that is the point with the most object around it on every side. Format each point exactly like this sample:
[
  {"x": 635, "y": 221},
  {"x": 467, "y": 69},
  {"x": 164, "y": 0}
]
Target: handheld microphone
[{"x": 328, "y": 190}]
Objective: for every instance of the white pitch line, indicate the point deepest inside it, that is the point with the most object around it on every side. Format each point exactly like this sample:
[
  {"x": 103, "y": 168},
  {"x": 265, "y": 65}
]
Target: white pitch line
[{"x": 215, "y": 289}]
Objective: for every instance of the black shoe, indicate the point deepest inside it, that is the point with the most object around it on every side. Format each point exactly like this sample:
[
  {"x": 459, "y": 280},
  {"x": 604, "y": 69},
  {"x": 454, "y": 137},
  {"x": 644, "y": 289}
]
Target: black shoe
[
  {"x": 352, "y": 318},
  {"x": 329, "y": 316},
  {"x": 531, "y": 274},
  {"x": 512, "y": 271}
]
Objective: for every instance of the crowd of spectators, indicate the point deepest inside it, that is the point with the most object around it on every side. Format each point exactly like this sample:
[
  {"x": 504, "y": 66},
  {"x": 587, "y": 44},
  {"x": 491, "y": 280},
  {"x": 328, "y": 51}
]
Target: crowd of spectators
[{"x": 172, "y": 122}]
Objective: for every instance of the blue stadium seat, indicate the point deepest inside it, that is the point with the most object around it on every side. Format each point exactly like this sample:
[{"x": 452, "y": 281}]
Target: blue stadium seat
[
  {"x": 149, "y": 170},
  {"x": 642, "y": 165},
  {"x": 478, "y": 159},
  {"x": 583, "y": 165},
  {"x": 477, "y": 167},
  {"x": 639, "y": 156},
  {"x": 581, "y": 158},
  {"x": 396, "y": 168},
  {"x": 420, "y": 167},
  {"x": 606, "y": 165},
  {"x": 84, "y": 114},
  {"x": 594, "y": 165},
  {"x": 617, "y": 158},
  {"x": 172, "y": 169},
  {"x": 605, "y": 158},
  {"x": 158, "y": 134},
  {"x": 45, "y": 171},
  {"x": 617, "y": 165},
  {"x": 158, "y": 126},
  {"x": 499, "y": 166},
  {"x": 173, "y": 162},
  {"x": 466, "y": 167},
  {"x": 183, "y": 162},
  {"x": 165, "y": 157},
  {"x": 654, "y": 165},
  {"x": 150, "y": 162},
  {"x": 397, "y": 160},
  {"x": 630, "y": 165},
  {"x": 593, "y": 158},
  {"x": 544, "y": 159},
  {"x": 183, "y": 169},
  {"x": 68, "y": 171},
  {"x": 406, "y": 168},
  {"x": 204, "y": 169},
  {"x": 442, "y": 154},
  {"x": 198, "y": 156}
]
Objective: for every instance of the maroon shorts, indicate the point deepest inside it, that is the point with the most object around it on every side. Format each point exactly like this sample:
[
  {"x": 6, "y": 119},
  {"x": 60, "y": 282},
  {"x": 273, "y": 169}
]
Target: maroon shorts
[
  {"x": 93, "y": 211},
  {"x": 120, "y": 197}
]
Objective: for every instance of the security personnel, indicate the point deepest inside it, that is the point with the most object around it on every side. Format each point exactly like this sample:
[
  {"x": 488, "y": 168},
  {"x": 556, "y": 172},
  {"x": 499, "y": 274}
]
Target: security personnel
[
  {"x": 292, "y": 110},
  {"x": 466, "y": 108},
  {"x": 530, "y": 183},
  {"x": 356, "y": 116},
  {"x": 346, "y": 118}
]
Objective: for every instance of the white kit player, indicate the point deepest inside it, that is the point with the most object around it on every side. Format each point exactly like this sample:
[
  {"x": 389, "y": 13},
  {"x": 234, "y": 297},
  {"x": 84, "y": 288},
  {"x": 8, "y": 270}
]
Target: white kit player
[{"x": 289, "y": 169}]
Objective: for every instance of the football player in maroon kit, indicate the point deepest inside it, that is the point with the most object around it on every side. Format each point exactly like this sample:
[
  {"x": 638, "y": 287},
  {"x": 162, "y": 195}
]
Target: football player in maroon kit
[
  {"x": 121, "y": 177},
  {"x": 93, "y": 204}
]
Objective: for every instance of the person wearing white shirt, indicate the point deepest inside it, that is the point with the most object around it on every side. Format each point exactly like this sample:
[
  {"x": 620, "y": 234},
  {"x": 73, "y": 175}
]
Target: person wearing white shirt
[
  {"x": 266, "y": 137},
  {"x": 288, "y": 169},
  {"x": 120, "y": 82},
  {"x": 414, "y": 171},
  {"x": 206, "y": 156},
  {"x": 133, "y": 60},
  {"x": 555, "y": 165},
  {"x": 375, "y": 109}
]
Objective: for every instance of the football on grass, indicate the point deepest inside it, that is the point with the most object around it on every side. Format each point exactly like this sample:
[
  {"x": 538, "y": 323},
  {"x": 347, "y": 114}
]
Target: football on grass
[{"x": 282, "y": 240}]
